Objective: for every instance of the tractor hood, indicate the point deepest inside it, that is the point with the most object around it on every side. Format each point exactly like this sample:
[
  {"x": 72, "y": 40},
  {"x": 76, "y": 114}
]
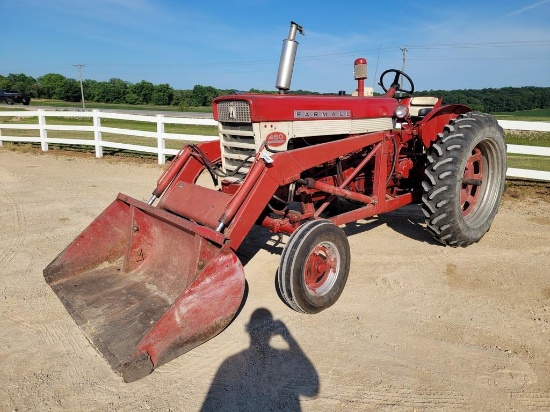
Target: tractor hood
[{"x": 265, "y": 107}]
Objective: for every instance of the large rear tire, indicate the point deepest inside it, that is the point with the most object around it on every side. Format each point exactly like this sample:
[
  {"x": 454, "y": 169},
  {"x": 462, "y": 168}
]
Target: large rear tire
[
  {"x": 314, "y": 267},
  {"x": 464, "y": 179}
]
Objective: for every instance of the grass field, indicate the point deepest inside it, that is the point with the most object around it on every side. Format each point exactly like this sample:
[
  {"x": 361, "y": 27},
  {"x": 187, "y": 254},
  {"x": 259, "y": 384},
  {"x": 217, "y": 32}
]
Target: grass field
[
  {"x": 512, "y": 137},
  {"x": 542, "y": 115},
  {"x": 536, "y": 115},
  {"x": 92, "y": 105},
  {"x": 528, "y": 139}
]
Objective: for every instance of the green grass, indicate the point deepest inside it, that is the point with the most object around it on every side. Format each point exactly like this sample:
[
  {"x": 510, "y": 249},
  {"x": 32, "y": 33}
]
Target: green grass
[
  {"x": 535, "y": 115},
  {"x": 528, "y": 162},
  {"x": 541, "y": 115},
  {"x": 116, "y": 123},
  {"x": 527, "y": 138},
  {"x": 11, "y": 109},
  {"x": 93, "y": 105}
]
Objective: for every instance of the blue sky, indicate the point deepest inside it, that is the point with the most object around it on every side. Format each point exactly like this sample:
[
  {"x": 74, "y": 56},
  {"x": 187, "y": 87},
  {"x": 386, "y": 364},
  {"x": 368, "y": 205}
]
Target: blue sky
[{"x": 236, "y": 43}]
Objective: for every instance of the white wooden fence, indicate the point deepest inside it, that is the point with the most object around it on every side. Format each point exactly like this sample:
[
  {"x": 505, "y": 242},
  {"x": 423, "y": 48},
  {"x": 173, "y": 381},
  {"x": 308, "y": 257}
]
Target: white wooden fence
[
  {"x": 96, "y": 115},
  {"x": 161, "y": 136}
]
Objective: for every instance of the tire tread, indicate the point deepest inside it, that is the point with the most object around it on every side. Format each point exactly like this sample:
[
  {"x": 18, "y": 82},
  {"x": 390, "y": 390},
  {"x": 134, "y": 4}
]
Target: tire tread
[{"x": 445, "y": 164}]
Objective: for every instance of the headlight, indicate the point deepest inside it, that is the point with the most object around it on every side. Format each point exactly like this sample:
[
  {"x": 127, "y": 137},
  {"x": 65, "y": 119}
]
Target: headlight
[{"x": 401, "y": 111}]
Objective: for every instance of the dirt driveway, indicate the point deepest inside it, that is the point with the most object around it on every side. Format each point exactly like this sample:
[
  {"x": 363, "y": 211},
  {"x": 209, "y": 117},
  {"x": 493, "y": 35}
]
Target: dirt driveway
[{"x": 418, "y": 327}]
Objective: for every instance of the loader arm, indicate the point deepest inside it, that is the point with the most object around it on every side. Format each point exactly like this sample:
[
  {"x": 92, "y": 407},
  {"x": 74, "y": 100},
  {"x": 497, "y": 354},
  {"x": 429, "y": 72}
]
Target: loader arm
[
  {"x": 285, "y": 169},
  {"x": 240, "y": 211}
]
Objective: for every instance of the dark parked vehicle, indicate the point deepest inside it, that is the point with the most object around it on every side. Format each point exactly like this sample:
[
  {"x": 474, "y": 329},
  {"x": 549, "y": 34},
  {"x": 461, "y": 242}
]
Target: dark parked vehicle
[{"x": 14, "y": 97}]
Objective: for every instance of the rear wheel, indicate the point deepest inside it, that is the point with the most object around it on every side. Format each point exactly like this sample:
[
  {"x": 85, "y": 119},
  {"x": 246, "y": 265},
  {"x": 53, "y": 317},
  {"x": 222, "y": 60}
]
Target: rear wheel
[
  {"x": 314, "y": 266},
  {"x": 464, "y": 179}
]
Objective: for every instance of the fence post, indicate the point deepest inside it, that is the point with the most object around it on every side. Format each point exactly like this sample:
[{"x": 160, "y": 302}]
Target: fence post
[
  {"x": 97, "y": 133},
  {"x": 43, "y": 130},
  {"x": 160, "y": 139}
]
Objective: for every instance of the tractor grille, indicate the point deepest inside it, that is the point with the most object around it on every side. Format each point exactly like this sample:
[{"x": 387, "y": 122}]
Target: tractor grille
[
  {"x": 234, "y": 111},
  {"x": 238, "y": 146},
  {"x": 237, "y": 138}
]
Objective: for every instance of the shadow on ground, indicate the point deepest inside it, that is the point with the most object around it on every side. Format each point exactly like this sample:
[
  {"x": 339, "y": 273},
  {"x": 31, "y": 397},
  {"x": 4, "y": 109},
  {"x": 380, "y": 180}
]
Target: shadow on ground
[
  {"x": 271, "y": 374},
  {"x": 408, "y": 221}
]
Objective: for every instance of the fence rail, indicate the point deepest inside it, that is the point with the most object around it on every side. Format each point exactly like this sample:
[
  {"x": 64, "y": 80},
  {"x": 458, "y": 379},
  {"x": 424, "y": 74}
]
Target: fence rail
[
  {"x": 161, "y": 136},
  {"x": 98, "y": 130}
]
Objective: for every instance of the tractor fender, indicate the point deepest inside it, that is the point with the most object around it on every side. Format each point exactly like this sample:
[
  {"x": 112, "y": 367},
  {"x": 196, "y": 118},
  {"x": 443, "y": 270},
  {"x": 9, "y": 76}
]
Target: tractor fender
[{"x": 435, "y": 121}]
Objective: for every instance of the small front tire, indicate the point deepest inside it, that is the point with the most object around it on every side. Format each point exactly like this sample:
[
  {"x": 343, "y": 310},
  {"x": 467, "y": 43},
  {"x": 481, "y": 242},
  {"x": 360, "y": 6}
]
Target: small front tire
[{"x": 314, "y": 266}]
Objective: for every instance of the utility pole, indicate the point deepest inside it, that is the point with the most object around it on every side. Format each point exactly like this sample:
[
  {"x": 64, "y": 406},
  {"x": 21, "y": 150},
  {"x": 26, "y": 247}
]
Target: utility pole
[
  {"x": 79, "y": 67},
  {"x": 404, "y": 50}
]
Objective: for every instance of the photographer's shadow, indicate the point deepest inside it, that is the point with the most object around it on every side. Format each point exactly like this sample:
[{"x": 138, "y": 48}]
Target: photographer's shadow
[{"x": 263, "y": 377}]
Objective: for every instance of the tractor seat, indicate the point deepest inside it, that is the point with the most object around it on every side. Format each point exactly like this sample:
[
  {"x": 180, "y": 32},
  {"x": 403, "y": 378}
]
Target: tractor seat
[{"x": 422, "y": 105}]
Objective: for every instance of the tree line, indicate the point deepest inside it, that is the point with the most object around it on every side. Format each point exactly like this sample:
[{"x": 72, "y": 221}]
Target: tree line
[
  {"x": 58, "y": 87},
  {"x": 490, "y": 100}
]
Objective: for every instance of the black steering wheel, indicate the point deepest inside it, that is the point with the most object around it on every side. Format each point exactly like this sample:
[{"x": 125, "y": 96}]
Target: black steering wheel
[{"x": 395, "y": 84}]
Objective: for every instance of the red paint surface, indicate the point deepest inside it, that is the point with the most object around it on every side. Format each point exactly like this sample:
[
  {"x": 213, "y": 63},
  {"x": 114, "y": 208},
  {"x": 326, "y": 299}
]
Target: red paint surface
[{"x": 276, "y": 108}]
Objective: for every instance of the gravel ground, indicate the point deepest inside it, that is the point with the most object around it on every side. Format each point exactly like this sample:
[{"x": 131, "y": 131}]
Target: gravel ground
[{"x": 418, "y": 327}]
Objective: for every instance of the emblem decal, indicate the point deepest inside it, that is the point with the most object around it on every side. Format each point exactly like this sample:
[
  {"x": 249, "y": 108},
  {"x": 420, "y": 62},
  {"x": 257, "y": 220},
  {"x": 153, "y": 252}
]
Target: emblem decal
[
  {"x": 275, "y": 139},
  {"x": 232, "y": 111},
  {"x": 322, "y": 114}
]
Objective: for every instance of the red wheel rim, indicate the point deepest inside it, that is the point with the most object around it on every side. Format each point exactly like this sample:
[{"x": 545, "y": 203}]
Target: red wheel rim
[
  {"x": 321, "y": 268},
  {"x": 471, "y": 182}
]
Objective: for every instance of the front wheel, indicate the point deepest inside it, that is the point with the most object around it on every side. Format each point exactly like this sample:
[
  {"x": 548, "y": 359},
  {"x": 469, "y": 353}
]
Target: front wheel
[
  {"x": 314, "y": 266},
  {"x": 464, "y": 179}
]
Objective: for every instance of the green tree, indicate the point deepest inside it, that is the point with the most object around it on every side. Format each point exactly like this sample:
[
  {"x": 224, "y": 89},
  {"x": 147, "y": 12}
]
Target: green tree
[
  {"x": 20, "y": 83},
  {"x": 162, "y": 95},
  {"x": 132, "y": 98},
  {"x": 143, "y": 90},
  {"x": 182, "y": 99},
  {"x": 70, "y": 91},
  {"x": 57, "y": 86},
  {"x": 115, "y": 91},
  {"x": 93, "y": 90},
  {"x": 203, "y": 95},
  {"x": 52, "y": 86}
]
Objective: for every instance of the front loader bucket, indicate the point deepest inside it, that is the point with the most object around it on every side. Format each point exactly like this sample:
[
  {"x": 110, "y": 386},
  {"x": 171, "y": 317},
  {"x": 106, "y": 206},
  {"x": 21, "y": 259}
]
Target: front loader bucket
[{"x": 146, "y": 286}]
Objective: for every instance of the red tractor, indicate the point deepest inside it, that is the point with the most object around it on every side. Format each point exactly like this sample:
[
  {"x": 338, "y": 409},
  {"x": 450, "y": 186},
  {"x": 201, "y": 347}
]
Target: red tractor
[{"x": 149, "y": 282}]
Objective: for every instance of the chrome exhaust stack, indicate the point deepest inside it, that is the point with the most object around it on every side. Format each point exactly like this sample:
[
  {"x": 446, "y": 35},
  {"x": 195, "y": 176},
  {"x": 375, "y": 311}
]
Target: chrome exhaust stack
[{"x": 288, "y": 55}]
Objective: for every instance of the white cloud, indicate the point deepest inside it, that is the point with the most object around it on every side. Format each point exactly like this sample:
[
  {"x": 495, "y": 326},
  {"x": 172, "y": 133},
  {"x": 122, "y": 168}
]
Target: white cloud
[{"x": 530, "y": 7}]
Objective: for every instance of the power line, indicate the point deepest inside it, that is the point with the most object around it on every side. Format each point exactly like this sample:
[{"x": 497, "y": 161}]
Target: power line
[
  {"x": 242, "y": 66},
  {"x": 494, "y": 44},
  {"x": 431, "y": 46},
  {"x": 479, "y": 58},
  {"x": 325, "y": 66}
]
